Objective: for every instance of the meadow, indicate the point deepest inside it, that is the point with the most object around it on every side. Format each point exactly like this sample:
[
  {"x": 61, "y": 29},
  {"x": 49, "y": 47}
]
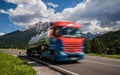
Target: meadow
[{"x": 10, "y": 65}]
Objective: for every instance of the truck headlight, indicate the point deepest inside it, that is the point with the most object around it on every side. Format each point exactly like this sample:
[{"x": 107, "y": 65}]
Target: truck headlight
[{"x": 62, "y": 53}]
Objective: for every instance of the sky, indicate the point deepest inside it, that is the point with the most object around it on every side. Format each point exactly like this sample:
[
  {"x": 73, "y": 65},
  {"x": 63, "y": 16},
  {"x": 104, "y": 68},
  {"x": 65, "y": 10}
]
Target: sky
[{"x": 95, "y": 16}]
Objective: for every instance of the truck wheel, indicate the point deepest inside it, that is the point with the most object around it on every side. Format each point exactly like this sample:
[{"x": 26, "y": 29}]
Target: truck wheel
[
  {"x": 40, "y": 56},
  {"x": 29, "y": 54},
  {"x": 52, "y": 56},
  {"x": 75, "y": 61}
]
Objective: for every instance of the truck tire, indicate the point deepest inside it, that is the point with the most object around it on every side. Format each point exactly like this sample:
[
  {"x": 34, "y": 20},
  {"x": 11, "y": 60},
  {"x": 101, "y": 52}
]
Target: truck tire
[
  {"x": 40, "y": 56},
  {"x": 28, "y": 53},
  {"x": 52, "y": 56}
]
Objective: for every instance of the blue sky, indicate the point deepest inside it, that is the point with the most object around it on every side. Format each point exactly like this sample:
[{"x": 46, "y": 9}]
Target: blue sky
[
  {"x": 95, "y": 16},
  {"x": 63, "y": 3},
  {"x": 6, "y": 25}
]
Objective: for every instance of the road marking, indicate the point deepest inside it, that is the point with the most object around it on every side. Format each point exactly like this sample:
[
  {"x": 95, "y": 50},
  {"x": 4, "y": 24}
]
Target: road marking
[
  {"x": 54, "y": 67},
  {"x": 103, "y": 63}
]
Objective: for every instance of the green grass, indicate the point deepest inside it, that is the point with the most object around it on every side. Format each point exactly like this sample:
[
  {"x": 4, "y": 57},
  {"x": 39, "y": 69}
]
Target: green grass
[
  {"x": 10, "y": 65},
  {"x": 103, "y": 55},
  {"x": 113, "y": 56}
]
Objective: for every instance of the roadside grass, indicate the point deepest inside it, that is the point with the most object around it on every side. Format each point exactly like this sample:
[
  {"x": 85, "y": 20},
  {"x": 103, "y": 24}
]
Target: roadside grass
[
  {"x": 104, "y": 55},
  {"x": 10, "y": 65}
]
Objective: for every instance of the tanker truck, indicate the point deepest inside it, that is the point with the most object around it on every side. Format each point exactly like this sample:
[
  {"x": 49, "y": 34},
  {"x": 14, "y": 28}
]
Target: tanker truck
[{"x": 62, "y": 41}]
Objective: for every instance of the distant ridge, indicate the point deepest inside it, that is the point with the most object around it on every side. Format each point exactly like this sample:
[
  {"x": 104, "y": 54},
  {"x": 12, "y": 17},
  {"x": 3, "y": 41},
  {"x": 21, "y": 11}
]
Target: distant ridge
[
  {"x": 108, "y": 43},
  {"x": 16, "y": 39}
]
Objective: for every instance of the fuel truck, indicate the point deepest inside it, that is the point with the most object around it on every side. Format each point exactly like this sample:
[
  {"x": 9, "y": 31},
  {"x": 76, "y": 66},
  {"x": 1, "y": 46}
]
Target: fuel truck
[{"x": 62, "y": 41}]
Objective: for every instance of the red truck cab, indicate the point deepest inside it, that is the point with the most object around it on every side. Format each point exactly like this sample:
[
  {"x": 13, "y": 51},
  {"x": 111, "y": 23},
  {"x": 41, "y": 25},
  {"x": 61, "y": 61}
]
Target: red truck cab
[{"x": 67, "y": 41}]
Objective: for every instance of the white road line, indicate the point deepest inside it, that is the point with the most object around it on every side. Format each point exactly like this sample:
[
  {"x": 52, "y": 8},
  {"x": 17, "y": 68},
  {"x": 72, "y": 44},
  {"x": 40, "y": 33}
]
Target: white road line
[
  {"x": 55, "y": 67},
  {"x": 103, "y": 63}
]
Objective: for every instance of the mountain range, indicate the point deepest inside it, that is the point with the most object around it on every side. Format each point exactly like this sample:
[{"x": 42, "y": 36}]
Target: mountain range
[
  {"x": 108, "y": 43},
  {"x": 16, "y": 39},
  {"x": 90, "y": 36}
]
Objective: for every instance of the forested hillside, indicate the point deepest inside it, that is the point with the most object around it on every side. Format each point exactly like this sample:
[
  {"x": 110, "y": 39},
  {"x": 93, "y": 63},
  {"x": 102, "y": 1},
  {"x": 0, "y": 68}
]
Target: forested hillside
[
  {"x": 106, "y": 44},
  {"x": 16, "y": 39}
]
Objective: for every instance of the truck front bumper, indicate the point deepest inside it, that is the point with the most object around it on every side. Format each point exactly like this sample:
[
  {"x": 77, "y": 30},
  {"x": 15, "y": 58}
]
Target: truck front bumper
[{"x": 70, "y": 57}]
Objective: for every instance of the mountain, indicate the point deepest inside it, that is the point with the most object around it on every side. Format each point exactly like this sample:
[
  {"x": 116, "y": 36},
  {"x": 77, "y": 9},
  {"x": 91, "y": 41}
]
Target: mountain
[
  {"x": 90, "y": 36},
  {"x": 1, "y": 34},
  {"x": 20, "y": 38},
  {"x": 16, "y": 39},
  {"x": 39, "y": 27},
  {"x": 108, "y": 43}
]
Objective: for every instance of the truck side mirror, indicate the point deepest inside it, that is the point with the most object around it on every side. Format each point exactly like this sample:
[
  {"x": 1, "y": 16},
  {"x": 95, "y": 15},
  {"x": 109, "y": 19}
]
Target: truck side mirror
[{"x": 57, "y": 32}]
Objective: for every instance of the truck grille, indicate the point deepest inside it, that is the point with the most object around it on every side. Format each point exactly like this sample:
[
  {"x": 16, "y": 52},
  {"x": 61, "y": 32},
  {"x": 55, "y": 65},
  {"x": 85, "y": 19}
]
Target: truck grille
[{"x": 72, "y": 46}]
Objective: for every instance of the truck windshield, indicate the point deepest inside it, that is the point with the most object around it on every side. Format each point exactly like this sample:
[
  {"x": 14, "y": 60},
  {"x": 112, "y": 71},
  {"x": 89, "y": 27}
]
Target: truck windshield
[{"x": 71, "y": 32}]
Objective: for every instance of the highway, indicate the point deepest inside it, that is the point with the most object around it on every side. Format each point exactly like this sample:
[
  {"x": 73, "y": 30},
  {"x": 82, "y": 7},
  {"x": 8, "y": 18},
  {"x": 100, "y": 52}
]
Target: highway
[
  {"x": 94, "y": 66},
  {"x": 91, "y": 65}
]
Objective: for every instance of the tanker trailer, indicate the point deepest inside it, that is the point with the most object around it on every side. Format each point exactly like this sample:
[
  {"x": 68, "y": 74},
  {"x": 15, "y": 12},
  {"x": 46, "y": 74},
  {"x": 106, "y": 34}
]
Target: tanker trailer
[{"x": 63, "y": 41}]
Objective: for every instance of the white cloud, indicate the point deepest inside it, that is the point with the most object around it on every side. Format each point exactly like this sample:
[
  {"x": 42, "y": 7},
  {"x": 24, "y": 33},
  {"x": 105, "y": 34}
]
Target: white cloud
[
  {"x": 20, "y": 1},
  {"x": 1, "y": 33},
  {"x": 28, "y": 12},
  {"x": 94, "y": 9},
  {"x": 52, "y": 5},
  {"x": 95, "y": 28},
  {"x": 88, "y": 13},
  {"x": 118, "y": 22},
  {"x": 3, "y": 11}
]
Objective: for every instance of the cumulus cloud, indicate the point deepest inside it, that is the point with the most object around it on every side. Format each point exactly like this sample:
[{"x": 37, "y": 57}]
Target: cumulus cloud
[
  {"x": 94, "y": 27},
  {"x": 95, "y": 16},
  {"x": 28, "y": 12},
  {"x": 3, "y": 11},
  {"x": 1, "y": 33},
  {"x": 52, "y": 5},
  {"x": 103, "y": 10},
  {"x": 91, "y": 12}
]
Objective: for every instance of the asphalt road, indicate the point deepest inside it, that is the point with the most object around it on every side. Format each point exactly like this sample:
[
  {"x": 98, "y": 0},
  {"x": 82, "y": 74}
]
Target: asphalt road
[
  {"x": 91, "y": 65},
  {"x": 94, "y": 66}
]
